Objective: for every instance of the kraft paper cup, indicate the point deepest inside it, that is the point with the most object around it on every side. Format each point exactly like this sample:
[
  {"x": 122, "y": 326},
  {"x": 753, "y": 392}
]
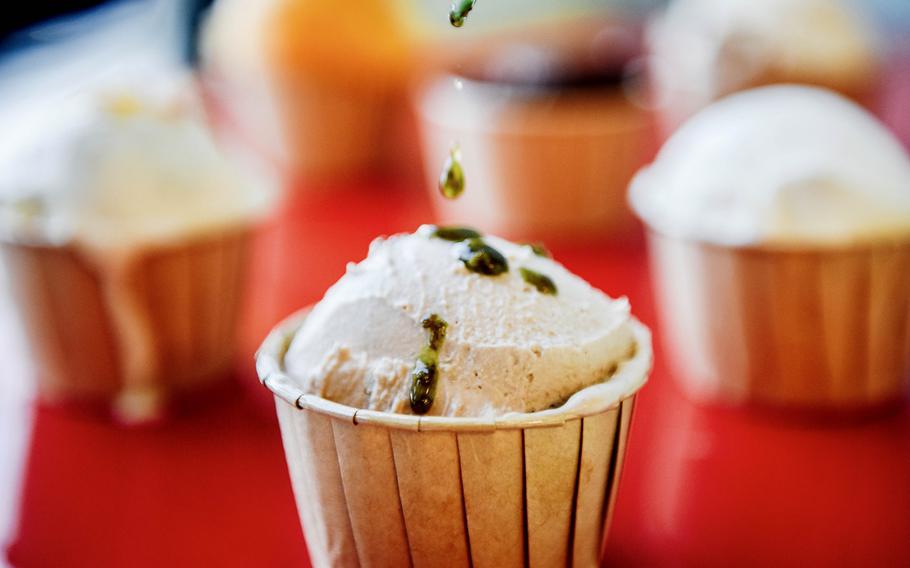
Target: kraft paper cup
[
  {"x": 809, "y": 328},
  {"x": 307, "y": 83},
  {"x": 130, "y": 331},
  {"x": 331, "y": 132},
  {"x": 382, "y": 489},
  {"x": 536, "y": 162}
]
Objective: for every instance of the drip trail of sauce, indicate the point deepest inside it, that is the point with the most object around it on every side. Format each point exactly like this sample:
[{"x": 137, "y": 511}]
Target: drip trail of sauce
[{"x": 425, "y": 374}]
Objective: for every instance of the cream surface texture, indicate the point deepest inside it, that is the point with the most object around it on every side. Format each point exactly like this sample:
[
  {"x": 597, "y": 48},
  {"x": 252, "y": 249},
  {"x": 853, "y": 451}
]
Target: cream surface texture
[
  {"x": 782, "y": 165},
  {"x": 508, "y": 347}
]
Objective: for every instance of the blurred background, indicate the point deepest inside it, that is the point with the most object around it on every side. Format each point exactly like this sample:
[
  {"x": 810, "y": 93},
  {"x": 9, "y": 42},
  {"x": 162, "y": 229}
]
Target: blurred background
[{"x": 343, "y": 114}]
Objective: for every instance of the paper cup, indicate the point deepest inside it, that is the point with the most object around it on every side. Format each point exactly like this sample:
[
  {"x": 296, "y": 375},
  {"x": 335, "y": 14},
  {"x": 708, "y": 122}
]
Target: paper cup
[
  {"x": 381, "y": 489},
  {"x": 332, "y": 132},
  {"x": 812, "y": 328},
  {"x": 536, "y": 163},
  {"x": 171, "y": 310}
]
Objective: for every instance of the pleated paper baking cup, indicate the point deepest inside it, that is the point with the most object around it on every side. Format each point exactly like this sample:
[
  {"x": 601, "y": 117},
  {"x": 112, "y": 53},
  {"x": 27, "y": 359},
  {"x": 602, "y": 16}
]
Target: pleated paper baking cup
[
  {"x": 555, "y": 165},
  {"x": 819, "y": 328},
  {"x": 332, "y": 131},
  {"x": 158, "y": 321},
  {"x": 381, "y": 489}
]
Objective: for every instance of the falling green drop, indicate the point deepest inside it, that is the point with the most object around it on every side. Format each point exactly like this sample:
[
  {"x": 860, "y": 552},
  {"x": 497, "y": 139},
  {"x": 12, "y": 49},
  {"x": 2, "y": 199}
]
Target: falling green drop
[
  {"x": 459, "y": 10},
  {"x": 451, "y": 180}
]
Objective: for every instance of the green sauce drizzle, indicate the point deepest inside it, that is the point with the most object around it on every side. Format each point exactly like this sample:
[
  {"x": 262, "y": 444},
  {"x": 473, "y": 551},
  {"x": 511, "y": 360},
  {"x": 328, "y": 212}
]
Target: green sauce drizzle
[
  {"x": 459, "y": 10},
  {"x": 543, "y": 283},
  {"x": 425, "y": 373},
  {"x": 539, "y": 250},
  {"x": 451, "y": 180},
  {"x": 481, "y": 258},
  {"x": 455, "y": 234},
  {"x": 437, "y": 328}
]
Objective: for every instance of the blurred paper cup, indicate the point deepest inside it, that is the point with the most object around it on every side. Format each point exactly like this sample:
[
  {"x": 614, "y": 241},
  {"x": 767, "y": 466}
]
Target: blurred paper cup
[
  {"x": 130, "y": 330},
  {"x": 318, "y": 86},
  {"x": 381, "y": 489},
  {"x": 820, "y": 328},
  {"x": 548, "y": 126}
]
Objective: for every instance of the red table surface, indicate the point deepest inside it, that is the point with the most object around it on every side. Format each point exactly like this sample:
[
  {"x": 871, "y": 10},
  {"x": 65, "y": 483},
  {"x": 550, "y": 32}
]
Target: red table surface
[
  {"x": 209, "y": 487},
  {"x": 701, "y": 486}
]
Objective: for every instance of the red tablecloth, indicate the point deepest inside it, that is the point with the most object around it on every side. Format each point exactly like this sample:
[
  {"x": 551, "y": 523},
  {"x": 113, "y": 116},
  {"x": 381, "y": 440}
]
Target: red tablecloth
[{"x": 702, "y": 487}]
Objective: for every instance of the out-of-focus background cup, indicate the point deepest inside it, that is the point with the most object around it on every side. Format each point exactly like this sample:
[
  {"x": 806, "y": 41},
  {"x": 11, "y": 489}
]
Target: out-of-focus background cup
[{"x": 548, "y": 132}]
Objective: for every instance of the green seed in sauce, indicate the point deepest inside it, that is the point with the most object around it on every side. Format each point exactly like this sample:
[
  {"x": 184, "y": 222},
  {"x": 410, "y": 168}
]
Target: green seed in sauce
[
  {"x": 540, "y": 250},
  {"x": 542, "y": 282},
  {"x": 423, "y": 388},
  {"x": 459, "y": 10},
  {"x": 481, "y": 258},
  {"x": 425, "y": 372},
  {"x": 455, "y": 234},
  {"x": 451, "y": 179}
]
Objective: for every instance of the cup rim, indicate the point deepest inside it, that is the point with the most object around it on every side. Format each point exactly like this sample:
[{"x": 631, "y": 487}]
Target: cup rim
[
  {"x": 628, "y": 379},
  {"x": 775, "y": 248},
  {"x": 491, "y": 101},
  {"x": 42, "y": 242}
]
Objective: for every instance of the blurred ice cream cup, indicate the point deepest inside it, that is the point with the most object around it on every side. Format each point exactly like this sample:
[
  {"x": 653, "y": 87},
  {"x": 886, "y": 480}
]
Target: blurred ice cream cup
[
  {"x": 316, "y": 84},
  {"x": 125, "y": 235},
  {"x": 702, "y": 50},
  {"x": 779, "y": 226}
]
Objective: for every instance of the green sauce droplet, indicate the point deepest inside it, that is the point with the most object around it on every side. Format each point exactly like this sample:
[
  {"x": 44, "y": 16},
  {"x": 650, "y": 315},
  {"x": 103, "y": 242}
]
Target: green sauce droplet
[
  {"x": 543, "y": 283},
  {"x": 425, "y": 372},
  {"x": 540, "y": 250},
  {"x": 481, "y": 258},
  {"x": 451, "y": 180},
  {"x": 437, "y": 328},
  {"x": 455, "y": 234},
  {"x": 459, "y": 10}
]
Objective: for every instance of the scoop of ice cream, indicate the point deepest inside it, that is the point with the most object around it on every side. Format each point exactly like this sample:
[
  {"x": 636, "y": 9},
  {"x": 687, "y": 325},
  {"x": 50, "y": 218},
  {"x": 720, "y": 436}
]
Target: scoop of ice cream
[
  {"x": 703, "y": 49},
  {"x": 782, "y": 165},
  {"x": 508, "y": 346},
  {"x": 115, "y": 169}
]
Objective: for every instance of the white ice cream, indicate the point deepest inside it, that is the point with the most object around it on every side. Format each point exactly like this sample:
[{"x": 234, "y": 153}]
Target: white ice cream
[
  {"x": 703, "y": 49},
  {"x": 508, "y": 347},
  {"x": 779, "y": 165},
  {"x": 117, "y": 171}
]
